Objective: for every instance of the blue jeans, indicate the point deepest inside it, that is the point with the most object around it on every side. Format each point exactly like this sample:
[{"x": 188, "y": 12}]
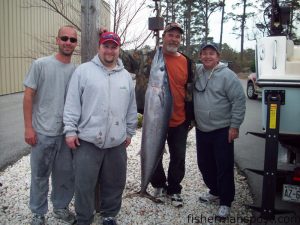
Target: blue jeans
[
  {"x": 215, "y": 158},
  {"x": 51, "y": 156}
]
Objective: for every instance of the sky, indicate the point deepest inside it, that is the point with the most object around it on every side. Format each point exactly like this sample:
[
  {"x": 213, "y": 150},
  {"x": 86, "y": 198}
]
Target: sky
[
  {"x": 215, "y": 22},
  {"x": 141, "y": 22},
  {"x": 228, "y": 36}
]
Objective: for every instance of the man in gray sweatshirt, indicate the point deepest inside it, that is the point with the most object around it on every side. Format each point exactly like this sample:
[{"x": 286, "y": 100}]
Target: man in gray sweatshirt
[
  {"x": 100, "y": 117},
  {"x": 219, "y": 106}
]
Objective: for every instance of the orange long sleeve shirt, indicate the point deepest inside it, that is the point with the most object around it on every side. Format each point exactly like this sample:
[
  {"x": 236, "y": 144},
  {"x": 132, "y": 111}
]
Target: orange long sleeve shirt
[{"x": 178, "y": 75}]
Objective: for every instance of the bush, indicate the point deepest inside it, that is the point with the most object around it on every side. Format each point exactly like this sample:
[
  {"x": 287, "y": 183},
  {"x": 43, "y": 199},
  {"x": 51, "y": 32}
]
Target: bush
[
  {"x": 140, "y": 120},
  {"x": 252, "y": 67}
]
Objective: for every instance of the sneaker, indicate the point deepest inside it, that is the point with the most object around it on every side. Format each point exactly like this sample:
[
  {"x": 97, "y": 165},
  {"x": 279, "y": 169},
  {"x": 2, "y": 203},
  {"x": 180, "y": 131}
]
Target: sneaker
[
  {"x": 109, "y": 221},
  {"x": 223, "y": 212},
  {"x": 65, "y": 215},
  {"x": 176, "y": 200},
  {"x": 38, "y": 220},
  {"x": 208, "y": 197},
  {"x": 160, "y": 194}
]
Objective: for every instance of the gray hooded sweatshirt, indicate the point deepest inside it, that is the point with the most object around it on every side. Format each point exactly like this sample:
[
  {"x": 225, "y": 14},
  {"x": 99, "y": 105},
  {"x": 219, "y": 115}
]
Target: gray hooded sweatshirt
[
  {"x": 219, "y": 98},
  {"x": 100, "y": 106}
]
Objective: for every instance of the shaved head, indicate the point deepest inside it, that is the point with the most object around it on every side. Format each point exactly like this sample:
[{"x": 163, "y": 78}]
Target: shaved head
[{"x": 66, "y": 26}]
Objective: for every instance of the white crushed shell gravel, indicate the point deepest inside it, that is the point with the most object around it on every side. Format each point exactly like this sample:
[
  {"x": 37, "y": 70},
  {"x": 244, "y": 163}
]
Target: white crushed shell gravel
[{"x": 14, "y": 196}]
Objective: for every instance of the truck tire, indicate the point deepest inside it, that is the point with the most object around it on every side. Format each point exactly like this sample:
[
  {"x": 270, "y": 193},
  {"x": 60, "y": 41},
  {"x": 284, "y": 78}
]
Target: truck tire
[{"x": 251, "y": 91}]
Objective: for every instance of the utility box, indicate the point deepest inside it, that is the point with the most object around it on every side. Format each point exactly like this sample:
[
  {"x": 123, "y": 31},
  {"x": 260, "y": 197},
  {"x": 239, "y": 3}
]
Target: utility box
[{"x": 156, "y": 23}]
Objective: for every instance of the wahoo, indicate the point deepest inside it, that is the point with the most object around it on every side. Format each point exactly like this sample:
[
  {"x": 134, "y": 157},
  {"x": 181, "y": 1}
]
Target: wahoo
[{"x": 157, "y": 112}]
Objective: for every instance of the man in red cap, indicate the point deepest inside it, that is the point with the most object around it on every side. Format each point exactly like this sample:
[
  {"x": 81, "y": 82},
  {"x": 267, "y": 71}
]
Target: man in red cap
[{"x": 100, "y": 117}]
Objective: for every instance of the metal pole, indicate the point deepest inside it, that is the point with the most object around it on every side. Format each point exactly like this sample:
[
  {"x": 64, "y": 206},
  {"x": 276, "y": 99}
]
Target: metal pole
[
  {"x": 271, "y": 154},
  {"x": 156, "y": 32}
]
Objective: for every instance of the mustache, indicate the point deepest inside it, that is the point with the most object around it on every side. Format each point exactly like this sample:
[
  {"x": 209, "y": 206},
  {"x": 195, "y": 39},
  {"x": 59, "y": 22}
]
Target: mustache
[{"x": 173, "y": 43}]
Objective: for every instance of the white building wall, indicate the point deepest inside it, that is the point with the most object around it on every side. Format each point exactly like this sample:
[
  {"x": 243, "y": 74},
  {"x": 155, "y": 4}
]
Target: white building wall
[{"x": 27, "y": 31}]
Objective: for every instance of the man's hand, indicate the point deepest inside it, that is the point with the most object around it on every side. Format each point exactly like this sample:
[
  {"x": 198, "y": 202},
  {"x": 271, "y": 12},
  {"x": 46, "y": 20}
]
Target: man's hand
[
  {"x": 30, "y": 136},
  {"x": 127, "y": 141},
  {"x": 72, "y": 142},
  {"x": 233, "y": 134}
]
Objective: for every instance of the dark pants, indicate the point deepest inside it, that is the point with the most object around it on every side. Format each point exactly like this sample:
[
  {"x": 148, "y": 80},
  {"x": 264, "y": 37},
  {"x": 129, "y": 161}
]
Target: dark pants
[
  {"x": 216, "y": 162},
  {"x": 109, "y": 166},
  {"x": 176, "y": 139}
]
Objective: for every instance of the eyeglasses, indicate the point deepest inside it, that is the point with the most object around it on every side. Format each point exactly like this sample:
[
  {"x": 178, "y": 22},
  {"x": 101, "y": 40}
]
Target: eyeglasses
[
  {"x": 203, "y": 89},
  {"x": 65, "y": 39}
]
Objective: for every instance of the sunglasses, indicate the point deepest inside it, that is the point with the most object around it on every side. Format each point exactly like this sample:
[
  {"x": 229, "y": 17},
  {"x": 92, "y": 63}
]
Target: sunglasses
[{"x": 65, "y": 39}]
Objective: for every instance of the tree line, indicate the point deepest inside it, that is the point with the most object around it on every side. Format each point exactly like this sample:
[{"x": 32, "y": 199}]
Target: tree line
[{"x": 195, "y": 16}]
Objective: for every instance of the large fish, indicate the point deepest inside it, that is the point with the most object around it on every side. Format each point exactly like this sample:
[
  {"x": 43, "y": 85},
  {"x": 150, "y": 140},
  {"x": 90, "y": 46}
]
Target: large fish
[{"x": 157, "y": 112}]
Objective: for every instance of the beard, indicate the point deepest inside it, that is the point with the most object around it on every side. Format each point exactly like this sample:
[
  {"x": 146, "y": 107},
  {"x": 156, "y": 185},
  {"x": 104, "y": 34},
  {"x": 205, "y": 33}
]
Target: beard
[
  {"x": 109, "y": 61},
  {"x": 171, "y": 48}
]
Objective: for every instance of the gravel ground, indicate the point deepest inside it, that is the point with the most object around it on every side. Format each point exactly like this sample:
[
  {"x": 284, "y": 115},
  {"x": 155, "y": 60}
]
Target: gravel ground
[{"x": 14, "y": 195}]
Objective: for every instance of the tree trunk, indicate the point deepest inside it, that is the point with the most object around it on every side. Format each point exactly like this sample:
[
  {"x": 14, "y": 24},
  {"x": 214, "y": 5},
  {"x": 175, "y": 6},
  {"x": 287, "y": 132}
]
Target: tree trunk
[
  {"x": 115, "y": 16},
  {"x": 188, "y": 28},
  {"x": 222, "y": 23},
  {"x": 167, "y": 12},
  {"x": 243, "y": 32},
  {"x": 206, "y": 22},
  {"x": 173, "y": 11},
  {"x": 90, "y": 24}
]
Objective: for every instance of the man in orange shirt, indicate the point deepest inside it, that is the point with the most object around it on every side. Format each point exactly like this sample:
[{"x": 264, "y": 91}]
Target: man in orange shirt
[{"x": 179, "y": 70}]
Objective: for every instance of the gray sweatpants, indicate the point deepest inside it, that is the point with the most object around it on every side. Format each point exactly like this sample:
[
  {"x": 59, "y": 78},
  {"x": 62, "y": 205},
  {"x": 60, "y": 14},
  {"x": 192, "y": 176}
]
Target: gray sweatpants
[
  {"x": 109, "y": 165},
  {"x": 51, "y": 156}
]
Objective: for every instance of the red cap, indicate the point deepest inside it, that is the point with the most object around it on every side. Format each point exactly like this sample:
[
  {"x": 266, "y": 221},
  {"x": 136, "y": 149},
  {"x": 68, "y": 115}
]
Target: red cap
[{"x": 109, "y": 36}]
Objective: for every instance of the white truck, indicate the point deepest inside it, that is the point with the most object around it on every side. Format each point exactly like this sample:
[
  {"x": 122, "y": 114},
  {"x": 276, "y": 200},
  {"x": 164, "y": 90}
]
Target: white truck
[{"x": 278, "y": 76}]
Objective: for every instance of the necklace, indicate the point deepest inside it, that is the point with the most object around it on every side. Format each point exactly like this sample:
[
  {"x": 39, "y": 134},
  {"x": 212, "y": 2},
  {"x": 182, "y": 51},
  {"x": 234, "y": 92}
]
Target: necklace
[{"x": 208, "y": 78}]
